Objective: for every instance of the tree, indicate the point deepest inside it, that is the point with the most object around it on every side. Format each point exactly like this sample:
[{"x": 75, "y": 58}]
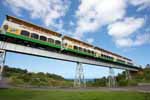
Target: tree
[{"x": 148, "y": 66}]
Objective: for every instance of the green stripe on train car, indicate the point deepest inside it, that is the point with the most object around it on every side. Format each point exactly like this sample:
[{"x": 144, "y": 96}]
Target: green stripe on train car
[
  {"x": 87, "y": 54},
  {"x": 79, "y": 52},
  {"x": 32, "y": 40}
]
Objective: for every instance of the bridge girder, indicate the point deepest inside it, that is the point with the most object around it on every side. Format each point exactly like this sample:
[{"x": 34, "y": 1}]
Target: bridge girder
[{"x": 10, "y": 47}]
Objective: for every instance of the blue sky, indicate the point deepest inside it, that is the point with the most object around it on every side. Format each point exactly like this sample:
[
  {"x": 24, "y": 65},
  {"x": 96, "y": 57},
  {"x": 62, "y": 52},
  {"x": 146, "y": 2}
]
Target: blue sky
[{"x": 121, "y": 26}]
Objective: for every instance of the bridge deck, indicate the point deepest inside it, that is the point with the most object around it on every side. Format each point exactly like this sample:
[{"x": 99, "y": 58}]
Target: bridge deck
[
  {"x": 11, "y": 47},
  {"x": 23, "y": 40}
]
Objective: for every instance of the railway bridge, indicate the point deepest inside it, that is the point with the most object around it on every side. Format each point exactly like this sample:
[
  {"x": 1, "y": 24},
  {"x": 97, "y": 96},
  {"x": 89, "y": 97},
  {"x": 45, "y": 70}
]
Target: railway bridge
[
  {"x": 12, "y": 41},
  {"x": 79, "y": 76}
]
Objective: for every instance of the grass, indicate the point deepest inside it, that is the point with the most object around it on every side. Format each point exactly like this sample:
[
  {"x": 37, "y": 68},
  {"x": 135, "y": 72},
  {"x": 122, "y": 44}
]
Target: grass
[{"x": 24, "y": 94}]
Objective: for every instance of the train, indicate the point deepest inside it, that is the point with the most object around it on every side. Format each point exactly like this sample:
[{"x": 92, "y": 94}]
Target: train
[{"x": 21, "y": 29}]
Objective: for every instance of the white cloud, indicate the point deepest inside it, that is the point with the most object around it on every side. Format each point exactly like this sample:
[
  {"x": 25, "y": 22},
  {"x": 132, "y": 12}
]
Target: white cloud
[
  {"x": 138, "y": 41},
  {"x": 90, "y": 40},
  {"x": 124, "y": 42},
  {"x": 122, "y": 31},
  {"x": 50, "y": 11},
  {"x": 142, "y": 39},
  {"x": 142, "y": 4},
  {"x": 125, "y": 28},
  {"x": 92, "y": 14}
]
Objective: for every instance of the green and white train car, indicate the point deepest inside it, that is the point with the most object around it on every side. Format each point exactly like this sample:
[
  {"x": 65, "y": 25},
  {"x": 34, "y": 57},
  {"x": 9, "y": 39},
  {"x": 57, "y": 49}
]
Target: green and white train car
[{"x": 16, "y": 28}]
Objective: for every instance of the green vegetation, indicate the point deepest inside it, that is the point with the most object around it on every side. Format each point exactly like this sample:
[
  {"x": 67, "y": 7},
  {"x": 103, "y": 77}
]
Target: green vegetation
[
  {"x": 22, "y": 94},
  {"x": 139, "y": 77},
  {"x": 101, "y": 82},
  {"x": 19, "y": 77},
  {"x": 142, "y": 76}
]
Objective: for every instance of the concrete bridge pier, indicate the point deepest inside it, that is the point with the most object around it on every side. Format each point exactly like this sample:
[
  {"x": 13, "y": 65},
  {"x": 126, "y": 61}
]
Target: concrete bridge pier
[{"x": 79, "y": 80}]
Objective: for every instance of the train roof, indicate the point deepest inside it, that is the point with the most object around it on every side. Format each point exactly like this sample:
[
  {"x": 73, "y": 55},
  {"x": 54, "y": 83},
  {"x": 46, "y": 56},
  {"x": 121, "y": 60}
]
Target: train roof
[
  {"x": 76, "y": 40},
  {"x": 20, "y": 21}
]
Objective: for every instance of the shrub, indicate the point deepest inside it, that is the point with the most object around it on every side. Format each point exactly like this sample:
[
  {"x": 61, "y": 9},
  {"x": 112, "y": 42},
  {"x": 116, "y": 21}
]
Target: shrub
[
  {"x": 123, "y": 82},
  {"x": 132, "y": 83}
]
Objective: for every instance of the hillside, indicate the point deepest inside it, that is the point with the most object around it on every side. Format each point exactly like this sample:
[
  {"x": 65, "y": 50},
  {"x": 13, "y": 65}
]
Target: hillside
[{"x": 20, "y": 77}]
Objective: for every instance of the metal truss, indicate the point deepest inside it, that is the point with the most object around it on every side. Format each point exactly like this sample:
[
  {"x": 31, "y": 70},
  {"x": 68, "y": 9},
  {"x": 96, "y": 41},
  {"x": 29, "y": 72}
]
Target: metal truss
[
  {"x": 2, "y": 61},
  {"x": 128, "y": 75},
  {"x": 79, "y": 80},
  {"x": 111, "y": 78}
]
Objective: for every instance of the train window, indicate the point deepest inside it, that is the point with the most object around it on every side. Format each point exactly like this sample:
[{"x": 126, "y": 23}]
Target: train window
[
  {"x": 50, "y": 40},
  {"x": 80, "y": 48},
  {"x": 5, "y": 27},
  {"x": 57, "y": 42},
  {"x": 25, "y": 33},
  {"x": 70, "y": 46},
  {"x": 120, "y": 60},
  {"x": 75, "y": 47},
  {"x": 89, "y": 51},
  {"x": 103, "y": 55},
  {"x": 43, "y": 38},
  {"x": 34, "y": 36},
  {"x": 65, "y": 44},
  {"x": 92, "y": 52},
  {"x": 110, "y": 57},
  {"x": 130, "y": 63},
  {"x": 84, "y": 50}
]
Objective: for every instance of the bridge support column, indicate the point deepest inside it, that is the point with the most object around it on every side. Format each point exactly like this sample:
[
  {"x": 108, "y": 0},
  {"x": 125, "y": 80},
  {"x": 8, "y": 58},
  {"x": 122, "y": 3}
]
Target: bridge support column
[
  {"x": 2, "y": 61},
  {"x": 111, "y": 78},
  {"x": 128, "y": 75},
  {"x": 79, "y": 80}
]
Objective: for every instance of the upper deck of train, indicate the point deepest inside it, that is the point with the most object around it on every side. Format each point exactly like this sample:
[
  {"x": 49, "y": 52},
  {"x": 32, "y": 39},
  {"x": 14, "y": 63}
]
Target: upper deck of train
[{"x": 31, "y": 25}]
